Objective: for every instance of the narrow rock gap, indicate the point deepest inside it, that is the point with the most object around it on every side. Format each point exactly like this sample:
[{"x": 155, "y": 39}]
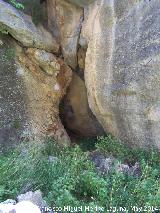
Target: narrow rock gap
[
  {"x": 75, "y": 114},
  {"x": 74, "y": 111}
]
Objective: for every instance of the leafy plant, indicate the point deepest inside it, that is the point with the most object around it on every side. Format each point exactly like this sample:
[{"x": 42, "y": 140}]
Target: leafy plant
[{"x": 17, "y": 4}]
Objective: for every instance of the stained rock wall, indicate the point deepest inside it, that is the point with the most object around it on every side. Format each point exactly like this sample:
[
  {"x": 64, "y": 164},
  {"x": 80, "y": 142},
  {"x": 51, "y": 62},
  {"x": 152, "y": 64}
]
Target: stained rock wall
[{"x": 46, "y": 79}]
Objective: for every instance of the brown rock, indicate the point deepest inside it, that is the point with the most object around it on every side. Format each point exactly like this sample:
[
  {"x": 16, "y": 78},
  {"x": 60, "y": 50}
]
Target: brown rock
[{"x": 44, "y": 92}]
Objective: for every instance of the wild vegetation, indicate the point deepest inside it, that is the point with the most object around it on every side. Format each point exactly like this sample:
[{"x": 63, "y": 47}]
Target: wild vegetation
[
  {"x": 66, "y": 176},
  {"x": 16, "y": 4}
]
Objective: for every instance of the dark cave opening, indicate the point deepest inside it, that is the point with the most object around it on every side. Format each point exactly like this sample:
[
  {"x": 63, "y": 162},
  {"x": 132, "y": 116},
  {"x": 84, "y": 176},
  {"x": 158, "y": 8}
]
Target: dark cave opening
[{"x": 75, "y": 114}]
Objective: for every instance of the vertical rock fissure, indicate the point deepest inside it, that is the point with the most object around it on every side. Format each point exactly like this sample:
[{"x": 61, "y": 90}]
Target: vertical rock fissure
[{"x": 75, "y": 114}]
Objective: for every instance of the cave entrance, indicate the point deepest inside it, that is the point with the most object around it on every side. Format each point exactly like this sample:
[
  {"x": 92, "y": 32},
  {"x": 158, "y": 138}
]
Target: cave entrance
[{"x": 75, "y": 114}]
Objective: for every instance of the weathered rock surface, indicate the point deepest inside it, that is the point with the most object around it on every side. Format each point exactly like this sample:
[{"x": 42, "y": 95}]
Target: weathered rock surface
[
  {"x": 46, "y": 79},
  {"x": 122, "y": 68},
  {"x": 32, "y": 83},
  {"x": 77, "y": 114},
  {"x": 21, "y": 27},
  {"x": 13, "y": 116},
  {"x": 81, "y": 58},
  {"x": 106, "y": 165},
  {"x": 34, "y": 197},
  {"x": 81, "y": 3},
  {"x": 65, "y": 21},
  {"x": 53, "y": 24}
]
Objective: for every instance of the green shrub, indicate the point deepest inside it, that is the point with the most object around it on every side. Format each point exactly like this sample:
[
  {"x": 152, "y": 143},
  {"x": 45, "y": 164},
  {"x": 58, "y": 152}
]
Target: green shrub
[
  {"x": 111, "y": 146},
  {"x": 71, "y": 178}
]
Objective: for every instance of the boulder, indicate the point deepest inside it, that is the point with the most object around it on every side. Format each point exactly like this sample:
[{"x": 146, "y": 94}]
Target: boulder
[
  {"x": 34, "y": 197},
  {"x": 21, "y": 27},
  {"x": 106, "y": 165},
  {"x": 122, "y": 68},
  {"x": 9, "y": 201},
  {"x": 24, "y": 206},
  {"x": 7, "y": 208}
]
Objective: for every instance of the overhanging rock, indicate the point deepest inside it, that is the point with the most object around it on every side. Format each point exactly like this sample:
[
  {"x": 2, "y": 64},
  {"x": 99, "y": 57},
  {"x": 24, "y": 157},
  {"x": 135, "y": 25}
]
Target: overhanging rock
[{"x": 21, "y": 27}]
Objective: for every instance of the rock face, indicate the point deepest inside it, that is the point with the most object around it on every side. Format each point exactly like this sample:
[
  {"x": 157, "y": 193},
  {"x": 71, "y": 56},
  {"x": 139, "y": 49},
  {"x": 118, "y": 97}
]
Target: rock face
[
  {"x": 13, "y": 114},
  {"x": 77, "y": 114},
  {"x": 46, "y": 79},
  {"x": 122, "y": 68},
  {"x": 32, "y": 82},
  {"x": 80, "y": 3},
  {"x": 65, "y": 21},
  {"x": 21, "y": 27}
]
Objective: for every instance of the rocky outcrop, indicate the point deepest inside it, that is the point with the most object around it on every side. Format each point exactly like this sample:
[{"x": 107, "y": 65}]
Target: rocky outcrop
[
  {"x": 77, "y": 115},
  {"x": 64, "y": 20},
  {"x": 21, "y": 27},
  {"x": 122, "y": 68}
]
